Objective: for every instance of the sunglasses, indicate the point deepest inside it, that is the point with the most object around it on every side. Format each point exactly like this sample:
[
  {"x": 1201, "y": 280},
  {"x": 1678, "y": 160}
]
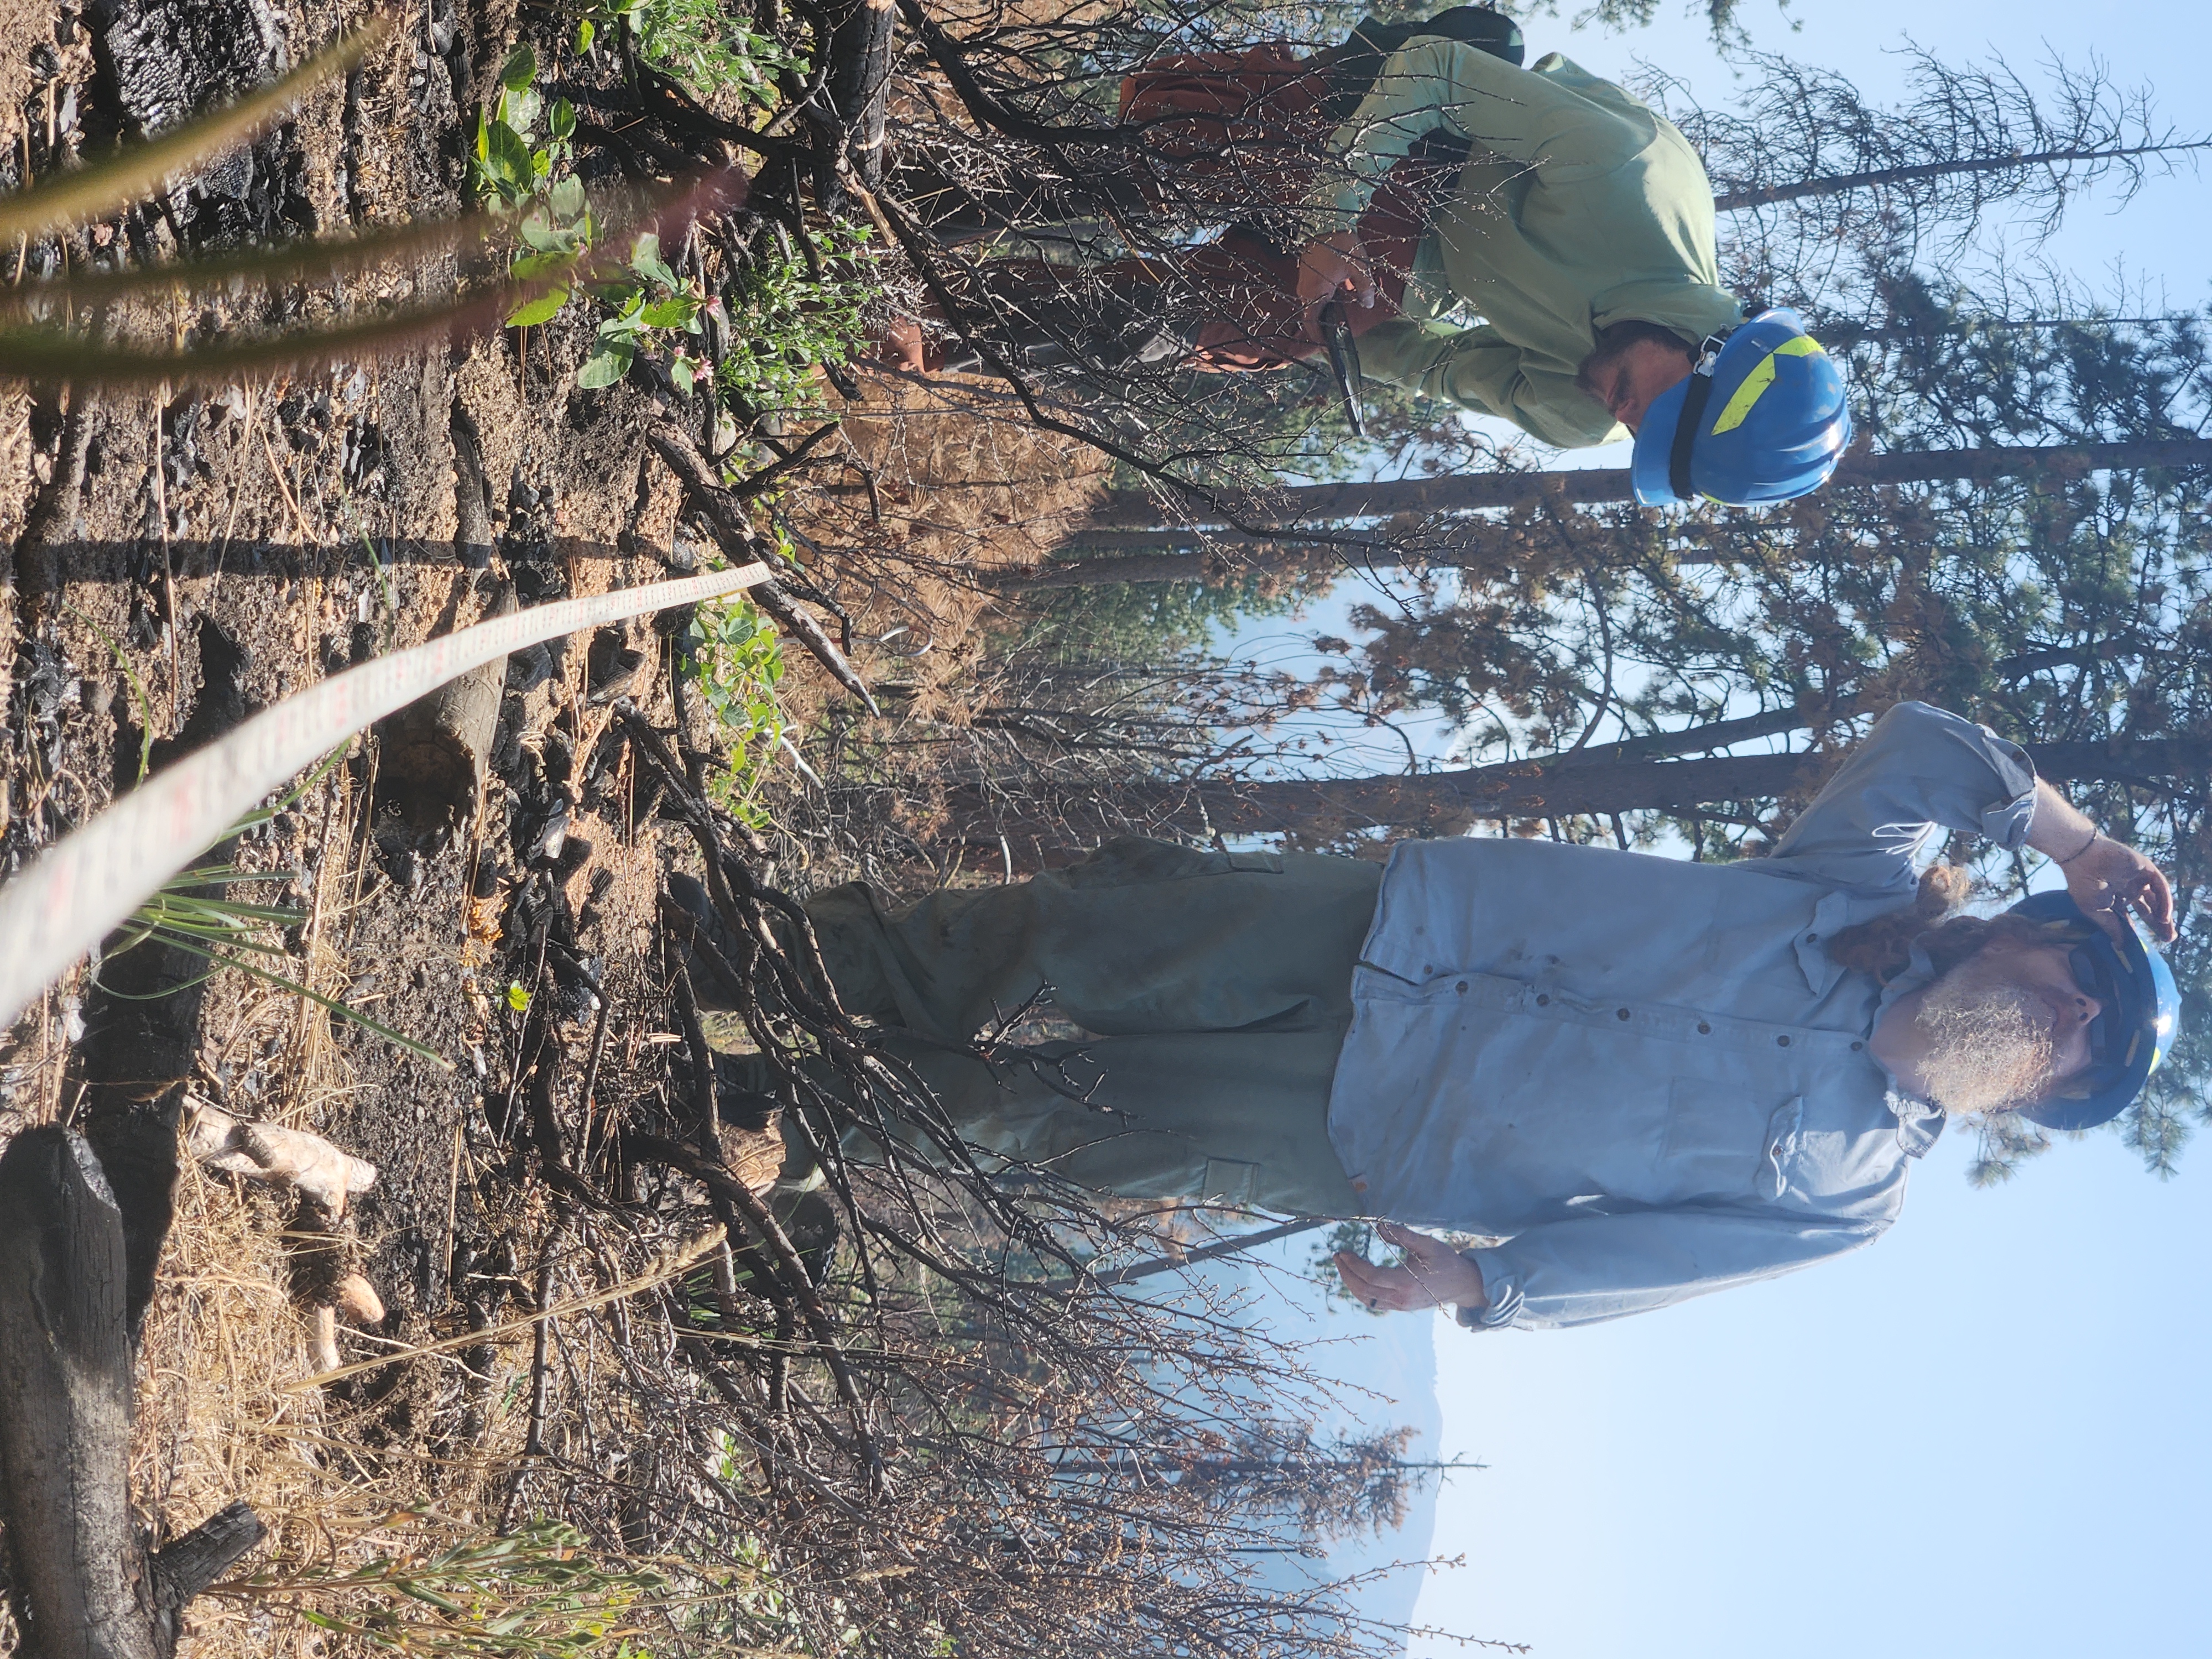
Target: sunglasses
[{"x": 2093, "y": 973}]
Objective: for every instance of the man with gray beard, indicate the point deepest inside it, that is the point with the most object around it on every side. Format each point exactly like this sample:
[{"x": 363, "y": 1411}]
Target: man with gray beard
[{"x": 1640, "y": 1078}]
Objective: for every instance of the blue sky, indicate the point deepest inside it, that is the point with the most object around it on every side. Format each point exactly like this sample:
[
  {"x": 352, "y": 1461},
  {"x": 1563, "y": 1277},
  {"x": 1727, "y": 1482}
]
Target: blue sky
[{"x": 1979, "y": 1437}]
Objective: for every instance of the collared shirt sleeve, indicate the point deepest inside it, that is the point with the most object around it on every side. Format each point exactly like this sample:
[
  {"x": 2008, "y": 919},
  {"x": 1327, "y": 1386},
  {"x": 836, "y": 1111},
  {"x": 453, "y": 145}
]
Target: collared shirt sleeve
[
  {"x": 1920, "y": 770},
  {"x": 1588, "y": 1268},
  {"x": 1479, "y": 369},
  {"x": 1427, "y": 86}
]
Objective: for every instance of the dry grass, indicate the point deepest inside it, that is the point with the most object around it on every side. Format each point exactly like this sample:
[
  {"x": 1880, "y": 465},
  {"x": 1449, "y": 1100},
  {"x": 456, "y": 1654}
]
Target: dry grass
[
  {"x": 215, "y": 1421},
  {"x": 222, "y": 1416}
]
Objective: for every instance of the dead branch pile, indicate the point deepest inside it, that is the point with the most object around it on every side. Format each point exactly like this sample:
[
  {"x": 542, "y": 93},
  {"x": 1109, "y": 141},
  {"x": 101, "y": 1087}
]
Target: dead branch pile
[{"x": 899, "y": 1404}]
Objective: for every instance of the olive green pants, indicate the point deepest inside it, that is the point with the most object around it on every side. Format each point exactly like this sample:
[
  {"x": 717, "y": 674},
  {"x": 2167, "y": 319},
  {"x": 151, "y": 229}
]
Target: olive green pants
[{"x": 1217, "y": 987}]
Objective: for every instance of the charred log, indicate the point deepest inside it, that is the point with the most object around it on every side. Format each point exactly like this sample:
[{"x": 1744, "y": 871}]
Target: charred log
[{"x": 84, "y": 1584}]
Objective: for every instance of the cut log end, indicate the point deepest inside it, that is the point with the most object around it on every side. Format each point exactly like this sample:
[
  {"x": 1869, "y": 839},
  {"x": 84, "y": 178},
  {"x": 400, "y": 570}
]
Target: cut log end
[
  {"x": 323, "y": 1338},
  {"x": 359, "y": 1302},
  {"x": 270, "y": 1153}
]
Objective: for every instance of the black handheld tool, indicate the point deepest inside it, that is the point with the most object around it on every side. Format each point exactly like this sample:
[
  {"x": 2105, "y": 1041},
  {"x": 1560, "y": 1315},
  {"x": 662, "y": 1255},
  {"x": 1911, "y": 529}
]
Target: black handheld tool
[{"x": 1343, "y": 362}]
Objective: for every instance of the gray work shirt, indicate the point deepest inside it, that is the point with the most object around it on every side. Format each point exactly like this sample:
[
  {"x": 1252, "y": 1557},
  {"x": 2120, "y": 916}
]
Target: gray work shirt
[{"x": 1645, "y": 1075}]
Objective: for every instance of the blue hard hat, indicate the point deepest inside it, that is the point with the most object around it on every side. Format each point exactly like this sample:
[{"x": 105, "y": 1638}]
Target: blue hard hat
[
  {"x": 1761, "y": 418},
  {"x": 2130, "y": 1040}
]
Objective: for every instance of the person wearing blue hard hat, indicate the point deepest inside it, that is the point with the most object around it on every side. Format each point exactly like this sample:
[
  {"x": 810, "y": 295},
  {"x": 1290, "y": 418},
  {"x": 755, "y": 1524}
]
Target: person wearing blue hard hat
[
  {"x": 1639, "y": 1078},
  {"x": 2108, "y": 998},
  {"x": 1564, "y": 279},
  {"x": 1761, "y": 416},
  {"x": 1579, "y": 230},
  {"x": 1517, "y": 238}
]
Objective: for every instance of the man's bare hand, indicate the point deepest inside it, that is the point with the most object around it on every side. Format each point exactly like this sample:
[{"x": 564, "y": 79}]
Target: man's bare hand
[
  {"x": 1335, "y": 267},
  {"x": 1434, "y": 1275},
  {"x": 2111, "y": 875}
]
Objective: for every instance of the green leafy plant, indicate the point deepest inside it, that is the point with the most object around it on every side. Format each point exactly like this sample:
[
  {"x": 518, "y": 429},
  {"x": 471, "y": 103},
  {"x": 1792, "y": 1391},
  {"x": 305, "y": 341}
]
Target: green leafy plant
[
  {"x": 733, "y": 657},
  {"x": 653, "y": 308},
  {"x": 509, "y": 164},
  {"x": 556, "y": 230},
  {"x": 511, "y": 169},
  {"x": 796, "y": 315},
  {"x": 38, "y": 340},
  {"x": 794, "y": 321},
  {"x": 698, "y": 42},
  {"x": 656, "y": 307}
]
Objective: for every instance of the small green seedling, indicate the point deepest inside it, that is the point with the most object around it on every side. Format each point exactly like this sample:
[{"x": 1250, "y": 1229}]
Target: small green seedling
[
  {"x": 734, "y": 658},
  {"x": 700, "y": 44}
]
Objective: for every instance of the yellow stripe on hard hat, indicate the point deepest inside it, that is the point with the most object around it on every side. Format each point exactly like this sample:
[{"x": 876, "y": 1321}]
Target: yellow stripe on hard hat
[{"x": 1756, "y": 382}]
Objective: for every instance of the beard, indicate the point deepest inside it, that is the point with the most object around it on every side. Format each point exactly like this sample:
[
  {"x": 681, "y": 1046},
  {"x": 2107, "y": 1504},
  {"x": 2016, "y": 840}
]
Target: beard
[
  {"x": 1591, "y": 372},
  {"x": 1991, "y": 1042}
]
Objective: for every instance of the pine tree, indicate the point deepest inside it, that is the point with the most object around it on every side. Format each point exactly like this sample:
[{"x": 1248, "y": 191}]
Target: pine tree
[{"x": 1811, "y": 157}]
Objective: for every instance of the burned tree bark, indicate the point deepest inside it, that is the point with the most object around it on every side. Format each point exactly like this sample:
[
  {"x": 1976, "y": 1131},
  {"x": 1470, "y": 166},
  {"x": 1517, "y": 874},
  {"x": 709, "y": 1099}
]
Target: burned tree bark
[
  {"x": 472, "y": 531},
  {"x": 854, "y": 96},
  {"x": 81, "y": 1221},
  {"x": 141, "y": 1015},
  {"x": 1595, "y": 781},
  {"x": 85, "y": 1586},
  {"x": 171, "y": 59}
]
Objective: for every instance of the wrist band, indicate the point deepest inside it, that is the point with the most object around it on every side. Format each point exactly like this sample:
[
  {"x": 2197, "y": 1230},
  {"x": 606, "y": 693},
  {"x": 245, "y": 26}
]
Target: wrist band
[{"x": 2095, "y": 834}]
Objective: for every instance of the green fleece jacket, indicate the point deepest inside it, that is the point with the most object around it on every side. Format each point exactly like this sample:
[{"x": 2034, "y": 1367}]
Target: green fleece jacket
[{"x": 1579, "y": 207}]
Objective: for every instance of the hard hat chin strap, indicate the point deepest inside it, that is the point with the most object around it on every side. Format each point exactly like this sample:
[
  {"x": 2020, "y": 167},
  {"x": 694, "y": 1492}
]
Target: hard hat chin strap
[
  {"x": 1686, "y": 434},
  {"x": 1693, "y": 417}
]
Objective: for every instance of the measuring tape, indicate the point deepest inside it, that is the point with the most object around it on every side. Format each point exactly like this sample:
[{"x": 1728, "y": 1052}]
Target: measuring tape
[{"x": 78, "y": 891}]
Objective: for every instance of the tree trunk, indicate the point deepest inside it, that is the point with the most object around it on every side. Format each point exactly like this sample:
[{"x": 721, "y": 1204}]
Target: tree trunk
[
  {"x": 84, "y": 1584},
  {"x": 1188, "y": 556},
  {"x": 1313, "y": 504},
  {"x": 847, "y": 114},
  {"x": 141, "y": 1014},
  {"x": 1842, "y": 183},
  {"x": 1837, "y": 332},
  {"x": 1183, "y": 556},
  {"x": 1610, "y": 778}
]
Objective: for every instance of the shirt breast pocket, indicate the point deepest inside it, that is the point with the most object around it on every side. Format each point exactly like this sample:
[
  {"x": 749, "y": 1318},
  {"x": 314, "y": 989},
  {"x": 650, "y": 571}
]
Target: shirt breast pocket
[
  {"x": 1724, "y": 1141},
  {"x": 1821, "y": 970}
]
